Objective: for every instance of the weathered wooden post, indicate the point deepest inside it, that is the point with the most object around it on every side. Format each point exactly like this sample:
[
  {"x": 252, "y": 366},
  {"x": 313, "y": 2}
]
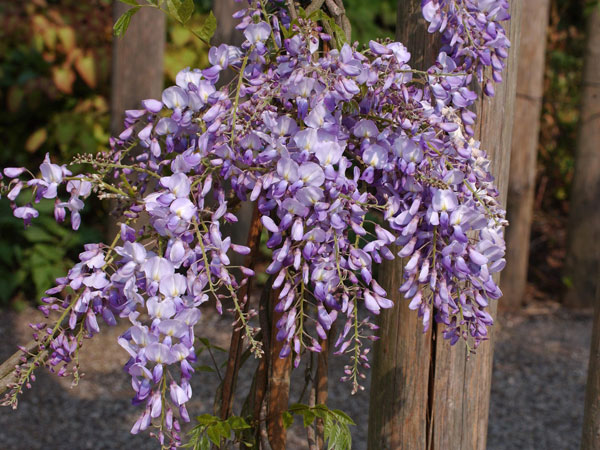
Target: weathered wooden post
[
  {"x": 521, "y": 186},
  {"x": 226, "y": 32},
  {"x": 137, "y": 62},
  {"x": 591, "y": 418},
  {"x": 424, "y": 393},
  {"x": 583, "y": 236},
  {"x": 583, "y": 248}
]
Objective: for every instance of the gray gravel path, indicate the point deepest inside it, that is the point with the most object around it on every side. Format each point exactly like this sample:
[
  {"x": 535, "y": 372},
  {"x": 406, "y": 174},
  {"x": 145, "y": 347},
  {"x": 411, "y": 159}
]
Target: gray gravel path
[{"x": 537, "y": 392}]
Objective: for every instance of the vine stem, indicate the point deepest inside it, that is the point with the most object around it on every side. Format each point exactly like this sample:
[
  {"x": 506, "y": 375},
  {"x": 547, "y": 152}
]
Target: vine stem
[
  {"x": 236, "y": 100},
  {"x": 235, "y": 348}
]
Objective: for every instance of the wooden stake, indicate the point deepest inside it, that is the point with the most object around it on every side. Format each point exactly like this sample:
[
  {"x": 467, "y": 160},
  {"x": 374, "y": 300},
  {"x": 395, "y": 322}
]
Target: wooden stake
[
  {"x": 583, "y": 248},
  {"x": 278, "y": 390},
  {"x": 591, "y": 418},
  {"x": 428, "y": 395},
  {"x": 521, "y": 186},
  {"x": 137, "y": 62}
]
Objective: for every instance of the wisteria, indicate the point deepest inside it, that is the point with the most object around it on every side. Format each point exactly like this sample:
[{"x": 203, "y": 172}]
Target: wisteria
[{"x": 352, "y": 158}]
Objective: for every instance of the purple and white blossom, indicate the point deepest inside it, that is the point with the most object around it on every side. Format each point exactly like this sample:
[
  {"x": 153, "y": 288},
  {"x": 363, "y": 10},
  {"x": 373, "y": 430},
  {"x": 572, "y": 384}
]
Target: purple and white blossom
[{"x": 352, "y": 158}]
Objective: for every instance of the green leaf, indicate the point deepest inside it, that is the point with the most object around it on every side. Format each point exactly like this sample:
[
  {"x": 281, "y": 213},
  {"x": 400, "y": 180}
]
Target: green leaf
[
  {"x": 7, "y": 286},
  {"x": 208, "y": 28},
  {"x": 181, "y": 9},
  {"x": 38, "y": 234},
  {"x": 130, "y": 2},
  {"x": 6, "y": 253},
  {"x": 288, "y": 419},
  {"x": 213, "y": 434},
  {"x": 204, "y": 443},
  {"x": 297, "y": 408},
  {"x": 63, "y": 78},
  {"x": 122, "y": 22},
  {"x": 207, "y": 344},
  {"x": 224, "y": 429},
  {"x": 206, "y": 419},
  {"x": 339, "y": 36},
  {"x": 308, "y": 417},
  {"x": 205, "y": 369},
  {"x": 204, "y": 341},
  {"x": 50, "y": 253},
  {"x": 342, "y": 417},
  {"x": 238, "y": 423}
]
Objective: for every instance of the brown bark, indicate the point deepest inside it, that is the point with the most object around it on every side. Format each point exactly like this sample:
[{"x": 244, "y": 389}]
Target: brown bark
[
  {"x": 401, "y": 366},
  {"x": 322, "y": 385},
  {"x": 236, "y": 345},
  {"x": 428, "y": 395},
  {"x": 137, "y": 62},
  {"x": 398, "y": 408},
  {"x": 278, "y": 389},
  {"x": 583, "y": 247},
  {"x": 521, "y": 186},
  {"x": 591, "y": 418}
]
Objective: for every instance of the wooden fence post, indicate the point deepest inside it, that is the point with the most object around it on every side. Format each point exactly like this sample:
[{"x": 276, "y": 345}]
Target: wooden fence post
[
  {"x": 424, "y": 393},
  {"x": 591, "y": 418},
  {"x": 521, "y": 186},
  {"x": 226, "y": 32},
  {"x": 583, "y": 247},
  {"x": 137, "y": 62}
]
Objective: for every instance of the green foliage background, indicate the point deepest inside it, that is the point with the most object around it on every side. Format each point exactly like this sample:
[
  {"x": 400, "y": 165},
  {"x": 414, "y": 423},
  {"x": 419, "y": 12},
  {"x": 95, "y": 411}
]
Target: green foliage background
[{"x": 54, "y": 92}]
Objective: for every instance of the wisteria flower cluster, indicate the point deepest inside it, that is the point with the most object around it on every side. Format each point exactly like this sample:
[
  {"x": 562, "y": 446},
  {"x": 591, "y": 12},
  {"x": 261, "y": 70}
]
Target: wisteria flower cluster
[{"x": 352, "y": 158}]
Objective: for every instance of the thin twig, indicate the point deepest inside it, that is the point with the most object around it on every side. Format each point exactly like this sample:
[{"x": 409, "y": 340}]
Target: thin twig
[
  {"x": 311, "y": 432},
  {"x": 212, "y": 356},
  {"x": 334, "y": 8},
  {"x": 314, "y": 6},
  {"x": 337, "y": 10},
  {"x": 235, "y": 348},
  {"x": 292, "y": 9},
  {"x": 7, "y": 369}
]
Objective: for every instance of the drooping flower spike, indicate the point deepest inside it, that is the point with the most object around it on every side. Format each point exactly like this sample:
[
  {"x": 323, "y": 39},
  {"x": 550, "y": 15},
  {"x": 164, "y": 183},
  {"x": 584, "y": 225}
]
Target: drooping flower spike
[{"x": 352, "y": 158}]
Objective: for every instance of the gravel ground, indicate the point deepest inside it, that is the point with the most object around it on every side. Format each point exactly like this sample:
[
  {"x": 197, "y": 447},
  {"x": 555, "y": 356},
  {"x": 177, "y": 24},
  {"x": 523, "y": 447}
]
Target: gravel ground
[{"x": 537, "y": 391}]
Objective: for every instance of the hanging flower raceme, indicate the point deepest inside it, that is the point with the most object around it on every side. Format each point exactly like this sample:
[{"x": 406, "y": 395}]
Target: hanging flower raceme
[{"x": 352, "y": 157}]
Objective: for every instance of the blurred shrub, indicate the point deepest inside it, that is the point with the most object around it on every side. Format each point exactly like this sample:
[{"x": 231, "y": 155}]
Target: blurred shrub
[
  {"x": 54, "y": 85},
  {"x": 183, "y": 48},
  {"x": 54, "y": 90},
  {"x": 562, "y": 97},
  {"x": 54, "y": 70},
  {"x": 371, "y": 19}
]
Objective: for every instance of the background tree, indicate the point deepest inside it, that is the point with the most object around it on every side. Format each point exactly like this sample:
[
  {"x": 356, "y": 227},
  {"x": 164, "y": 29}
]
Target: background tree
[
  {"x": 521, "y": 185},
  {"x": 440, "y": 398},
  {"x": 583, "y": 248}
]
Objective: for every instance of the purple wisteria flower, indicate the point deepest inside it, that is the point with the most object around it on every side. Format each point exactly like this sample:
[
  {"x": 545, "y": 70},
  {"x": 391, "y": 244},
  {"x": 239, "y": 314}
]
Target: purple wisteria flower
[{"x": 352, "y": 158}]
